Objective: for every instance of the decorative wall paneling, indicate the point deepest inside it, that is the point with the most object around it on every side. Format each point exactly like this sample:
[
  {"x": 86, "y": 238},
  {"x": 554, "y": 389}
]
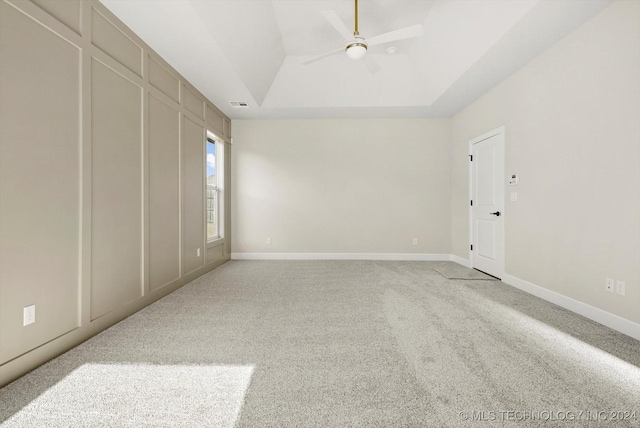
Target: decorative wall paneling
[{"x": 101, "y": 177}]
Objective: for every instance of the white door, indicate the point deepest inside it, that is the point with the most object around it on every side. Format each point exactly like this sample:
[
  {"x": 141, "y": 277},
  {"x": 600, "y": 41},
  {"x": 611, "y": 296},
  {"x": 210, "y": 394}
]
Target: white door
[{"x": 487, "y": 206}]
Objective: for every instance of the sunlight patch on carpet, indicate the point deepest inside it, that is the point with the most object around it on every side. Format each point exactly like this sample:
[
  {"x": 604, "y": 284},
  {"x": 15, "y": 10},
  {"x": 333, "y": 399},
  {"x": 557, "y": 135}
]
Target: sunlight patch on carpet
[
  {"x": 599, "y": 363},
  {"x": 140, "y": 395}
]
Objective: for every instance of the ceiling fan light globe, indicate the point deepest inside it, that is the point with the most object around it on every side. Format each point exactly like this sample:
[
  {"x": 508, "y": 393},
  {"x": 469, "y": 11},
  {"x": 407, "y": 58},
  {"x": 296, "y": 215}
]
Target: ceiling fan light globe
[{"x": 356, "y": 49}]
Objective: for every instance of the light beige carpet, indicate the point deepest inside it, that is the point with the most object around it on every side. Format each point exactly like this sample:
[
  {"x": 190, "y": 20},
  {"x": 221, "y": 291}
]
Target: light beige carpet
[{"x": 337, "y": 344}]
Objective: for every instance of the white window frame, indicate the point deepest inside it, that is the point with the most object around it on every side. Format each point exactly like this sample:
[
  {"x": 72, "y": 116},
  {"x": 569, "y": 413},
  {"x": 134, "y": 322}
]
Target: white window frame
[{"x": 218, "y": 188}]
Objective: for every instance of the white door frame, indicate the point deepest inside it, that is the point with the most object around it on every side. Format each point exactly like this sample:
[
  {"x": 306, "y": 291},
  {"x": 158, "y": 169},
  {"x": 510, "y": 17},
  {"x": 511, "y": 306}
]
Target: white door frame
[{"x": 497, "y": 131}]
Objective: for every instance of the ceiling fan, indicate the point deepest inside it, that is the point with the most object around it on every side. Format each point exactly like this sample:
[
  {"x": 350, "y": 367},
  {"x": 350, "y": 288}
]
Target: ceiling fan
[{"x": 357, "y": 45}]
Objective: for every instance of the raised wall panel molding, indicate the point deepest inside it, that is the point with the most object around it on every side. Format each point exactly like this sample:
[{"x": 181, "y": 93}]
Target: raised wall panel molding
[
  {"x": 116, "y": 135},
  {"x": 164, "y": 193},
  {"x": 113, "y": 41},
  {"x": 40, "y": 178},
  {"x": 214, "y": 120},
  {"x": 163, "y": 80},
  {"x": 215, "y": 253},
  {"x": 192, "y": 102},
  {"x": 52, "y": 23},
  {"x": 193, "y": 191},
  {"x": 97, "y": 55},
  {"x": 68, "y": 12},
  {"x": 88, "y": 82}
]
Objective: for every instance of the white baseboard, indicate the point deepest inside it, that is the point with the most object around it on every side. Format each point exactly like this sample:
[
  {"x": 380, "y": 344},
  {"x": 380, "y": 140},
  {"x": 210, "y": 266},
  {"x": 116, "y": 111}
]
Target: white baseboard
[
  {"x": 340, "y": 256},
  {"x": 460, "y": 261},
  {"x": 615, "y": 322}
]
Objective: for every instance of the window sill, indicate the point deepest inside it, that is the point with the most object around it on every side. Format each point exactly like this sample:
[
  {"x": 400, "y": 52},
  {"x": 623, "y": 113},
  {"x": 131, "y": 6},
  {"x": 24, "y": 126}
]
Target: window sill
[{"x": 215, "y": 242}]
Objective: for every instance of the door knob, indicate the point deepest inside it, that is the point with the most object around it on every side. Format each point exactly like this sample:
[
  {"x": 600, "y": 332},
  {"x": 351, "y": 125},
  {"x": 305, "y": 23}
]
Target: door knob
[{"x": 497, "y": 213}]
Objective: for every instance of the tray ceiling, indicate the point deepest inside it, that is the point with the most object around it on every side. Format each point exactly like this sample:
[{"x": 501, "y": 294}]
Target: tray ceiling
[{"x": 252, "y": 51}]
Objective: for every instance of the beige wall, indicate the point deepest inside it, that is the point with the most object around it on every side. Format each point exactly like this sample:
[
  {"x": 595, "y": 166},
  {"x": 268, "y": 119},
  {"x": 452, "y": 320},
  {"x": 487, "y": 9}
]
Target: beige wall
[
  {"x": 572, "y": 119},
  {"x": 101, "y": 177},
  {"x": 341, "y": 186}
]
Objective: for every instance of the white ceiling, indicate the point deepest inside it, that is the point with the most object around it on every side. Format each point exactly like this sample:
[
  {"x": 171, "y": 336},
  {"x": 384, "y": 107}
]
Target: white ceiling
[{"x": 252, "y": 50}]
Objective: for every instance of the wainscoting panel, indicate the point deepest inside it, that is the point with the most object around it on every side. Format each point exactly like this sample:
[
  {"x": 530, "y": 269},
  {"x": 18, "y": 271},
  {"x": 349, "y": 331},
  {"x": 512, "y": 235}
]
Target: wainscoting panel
[
  {"x": 67, "y": 12},
  {"x": 215, "y": 253},
  {"x": 164, "y": 193},
  {"x": 101, "y": 200},
  {"x": 39, "y": 182},
  {"x": 109, "y": 38},
  {"x": 192, "y": 196},
  {"x": 192, "y": 102},
  {"x": 214, "y": 121},
  {"x": 116, "y": 117},
  {"x": 163, "y": 80}
]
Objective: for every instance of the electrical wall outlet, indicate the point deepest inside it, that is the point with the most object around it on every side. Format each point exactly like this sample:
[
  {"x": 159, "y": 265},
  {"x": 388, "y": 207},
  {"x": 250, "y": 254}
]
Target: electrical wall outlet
[
  {"x": 29, "y": 315},
  {"x": 620, "y": 288},
  {"x": 198, "y": 252},
  {"x": 609, "y": 285},
  {"x": 268, "y": 241},
  {"x": 513, "y": 196},
  {"x": 415, "y": 241}
]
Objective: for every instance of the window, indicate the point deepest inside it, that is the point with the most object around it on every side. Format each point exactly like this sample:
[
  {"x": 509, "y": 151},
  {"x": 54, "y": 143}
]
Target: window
[{"x": 215, "y": 177}]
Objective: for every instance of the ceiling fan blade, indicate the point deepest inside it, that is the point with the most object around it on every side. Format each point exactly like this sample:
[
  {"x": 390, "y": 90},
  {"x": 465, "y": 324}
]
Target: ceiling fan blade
[
  {"x": 338, "y": 24},
  {"x": 392, "y": 36},
  {"x": 372, "y": 64},
  {"x": 324, "y": 55}
]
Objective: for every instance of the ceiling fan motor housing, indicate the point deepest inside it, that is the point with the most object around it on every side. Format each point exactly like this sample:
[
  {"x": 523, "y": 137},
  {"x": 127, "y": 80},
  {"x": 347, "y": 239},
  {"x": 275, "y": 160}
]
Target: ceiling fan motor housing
[{"x": 357, "y": 48}]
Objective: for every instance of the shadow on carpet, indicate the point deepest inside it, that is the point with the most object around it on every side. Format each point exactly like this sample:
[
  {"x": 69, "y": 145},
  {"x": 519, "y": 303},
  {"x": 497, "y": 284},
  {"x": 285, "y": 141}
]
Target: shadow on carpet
[{"x": 451, "y": 270}]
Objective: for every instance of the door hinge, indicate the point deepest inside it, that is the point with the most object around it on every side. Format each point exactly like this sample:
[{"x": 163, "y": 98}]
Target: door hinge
[
  {"x": 471, "y": 247},
  {"x": 471, "y": 158},
  {"x": 472, "y": 202}
]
